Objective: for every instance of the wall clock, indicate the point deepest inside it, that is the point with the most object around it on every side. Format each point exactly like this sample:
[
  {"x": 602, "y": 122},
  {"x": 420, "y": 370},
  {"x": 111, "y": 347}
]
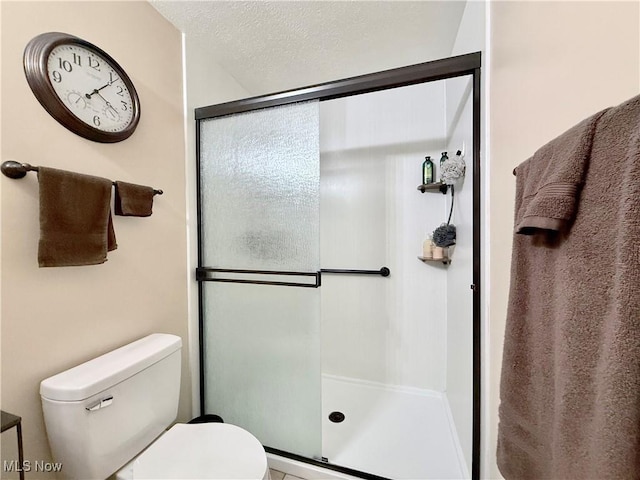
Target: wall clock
[{"x": 82, "y": 87}]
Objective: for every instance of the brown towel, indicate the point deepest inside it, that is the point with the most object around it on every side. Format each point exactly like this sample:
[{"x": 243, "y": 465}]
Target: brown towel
[
  {"x": 133, "y": 200},
  {"x": 75, "y": 219},
  {"x": 570, "y": 385},
  {"x": 555, "y": 174}
]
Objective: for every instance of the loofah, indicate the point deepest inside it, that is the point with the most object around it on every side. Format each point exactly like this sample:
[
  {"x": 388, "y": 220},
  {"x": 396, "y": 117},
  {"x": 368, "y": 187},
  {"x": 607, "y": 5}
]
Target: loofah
[
  {"x": 444, "y": 235},
  {"x": 452, "y": 170}
]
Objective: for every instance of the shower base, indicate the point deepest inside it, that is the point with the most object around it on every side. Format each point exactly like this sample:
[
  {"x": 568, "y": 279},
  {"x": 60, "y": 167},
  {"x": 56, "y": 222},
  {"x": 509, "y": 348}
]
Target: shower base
[{"x": 393, "y": 432}]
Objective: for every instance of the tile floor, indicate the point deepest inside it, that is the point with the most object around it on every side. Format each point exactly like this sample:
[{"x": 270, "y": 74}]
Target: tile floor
[{"x": 276, "y": 475}]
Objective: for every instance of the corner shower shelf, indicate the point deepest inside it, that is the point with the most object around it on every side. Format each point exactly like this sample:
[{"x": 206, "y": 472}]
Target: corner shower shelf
[
  {"x": 433, "y": 187},
  {"x": 445, "y": 260}
]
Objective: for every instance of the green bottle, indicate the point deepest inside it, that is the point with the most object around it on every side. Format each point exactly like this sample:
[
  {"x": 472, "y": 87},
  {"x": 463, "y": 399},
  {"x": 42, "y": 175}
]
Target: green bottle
[{"x": 427, "y": 171}]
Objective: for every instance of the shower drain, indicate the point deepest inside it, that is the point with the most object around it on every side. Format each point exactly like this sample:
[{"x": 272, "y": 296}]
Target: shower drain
[{"x": 336, "y": 417}]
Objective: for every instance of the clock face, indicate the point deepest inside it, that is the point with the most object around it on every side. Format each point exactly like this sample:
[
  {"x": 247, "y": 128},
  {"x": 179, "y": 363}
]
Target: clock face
[
  {"x": 90, "y": 87},
  {"x": 82, "y": 87}
]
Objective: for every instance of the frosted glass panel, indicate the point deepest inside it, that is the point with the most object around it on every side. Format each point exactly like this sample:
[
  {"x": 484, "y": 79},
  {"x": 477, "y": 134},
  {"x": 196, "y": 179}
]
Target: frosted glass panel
[
  {"x": 263, "y": 363},
  {"x": 260, "y": 211},
  {"x": 260, "y": 195}
]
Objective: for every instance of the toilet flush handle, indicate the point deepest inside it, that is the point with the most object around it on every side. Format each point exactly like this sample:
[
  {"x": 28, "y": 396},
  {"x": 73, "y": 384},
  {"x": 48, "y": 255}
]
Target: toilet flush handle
[{"x": 105, "y": 402}]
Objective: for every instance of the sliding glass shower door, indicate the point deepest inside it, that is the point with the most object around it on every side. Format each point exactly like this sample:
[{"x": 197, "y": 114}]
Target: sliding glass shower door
[{"x": 259, "y": 273}]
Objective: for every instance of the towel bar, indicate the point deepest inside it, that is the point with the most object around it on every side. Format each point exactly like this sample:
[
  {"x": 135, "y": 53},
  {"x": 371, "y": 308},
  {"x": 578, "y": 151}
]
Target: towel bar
[
  {"x": 202, "y": 275},
  {"x": 13, "y": 169},
  {"x": 384, "y": 271}
]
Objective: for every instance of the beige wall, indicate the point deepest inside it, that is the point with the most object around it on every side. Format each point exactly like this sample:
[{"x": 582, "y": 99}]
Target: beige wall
[
  {"x": 551, "y": 65},
  {"x": 55, "y": 318}
]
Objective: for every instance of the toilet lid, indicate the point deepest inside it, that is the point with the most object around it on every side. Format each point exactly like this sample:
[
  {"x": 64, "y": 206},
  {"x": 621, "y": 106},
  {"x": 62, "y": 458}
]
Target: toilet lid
[{"x": 205, "y": 450}]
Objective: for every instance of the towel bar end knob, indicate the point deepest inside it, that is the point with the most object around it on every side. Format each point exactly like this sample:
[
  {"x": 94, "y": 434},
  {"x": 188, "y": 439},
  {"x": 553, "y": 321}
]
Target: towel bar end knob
[{"x": 13, "y": 169}]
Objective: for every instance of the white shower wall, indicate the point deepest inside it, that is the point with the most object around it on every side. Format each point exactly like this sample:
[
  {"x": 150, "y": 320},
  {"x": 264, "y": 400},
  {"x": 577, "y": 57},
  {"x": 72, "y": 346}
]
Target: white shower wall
[{"x": 388, "y": 330}]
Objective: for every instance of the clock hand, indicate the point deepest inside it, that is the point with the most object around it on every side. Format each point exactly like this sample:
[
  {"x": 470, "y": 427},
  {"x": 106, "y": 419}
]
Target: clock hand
[
  {"x": 88, "y": 95},
  {"x": 111, "y": 112},
  {"x": 105, "y": 100},
  {"x": 107, "y": 84}
]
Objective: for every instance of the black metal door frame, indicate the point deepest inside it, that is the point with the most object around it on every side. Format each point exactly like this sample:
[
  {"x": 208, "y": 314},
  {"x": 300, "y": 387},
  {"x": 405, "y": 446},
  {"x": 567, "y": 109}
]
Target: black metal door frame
[{"x": 469, "y": 64}]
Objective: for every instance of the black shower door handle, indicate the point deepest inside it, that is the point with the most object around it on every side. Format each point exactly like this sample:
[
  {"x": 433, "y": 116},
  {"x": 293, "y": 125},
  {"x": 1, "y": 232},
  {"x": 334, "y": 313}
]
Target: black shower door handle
[{"x": 203, "y": 274}]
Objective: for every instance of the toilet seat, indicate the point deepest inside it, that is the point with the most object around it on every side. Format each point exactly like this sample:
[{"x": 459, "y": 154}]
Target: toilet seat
[{"x": 200, "y": 451}]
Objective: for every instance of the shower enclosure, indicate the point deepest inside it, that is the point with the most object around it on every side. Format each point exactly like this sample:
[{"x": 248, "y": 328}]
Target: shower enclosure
[{"x": 323, "y": 331}]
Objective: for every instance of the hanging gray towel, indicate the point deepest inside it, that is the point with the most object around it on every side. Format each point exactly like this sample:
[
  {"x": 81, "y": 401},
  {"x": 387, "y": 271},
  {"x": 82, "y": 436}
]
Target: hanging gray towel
[
  {"x": 133, "y": 200},
  {"x": 551, "y": 188},
  {"x": 75, "y": 219},
  {"x": 570, "y": 385}
]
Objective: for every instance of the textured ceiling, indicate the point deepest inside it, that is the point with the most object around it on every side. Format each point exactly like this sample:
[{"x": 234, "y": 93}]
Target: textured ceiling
[{"x": 273, "y": 46}]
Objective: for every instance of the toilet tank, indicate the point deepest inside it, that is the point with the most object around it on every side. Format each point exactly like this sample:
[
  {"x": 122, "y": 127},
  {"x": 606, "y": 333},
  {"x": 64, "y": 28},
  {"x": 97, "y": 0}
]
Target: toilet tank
[{"x": 102, "y": 413}]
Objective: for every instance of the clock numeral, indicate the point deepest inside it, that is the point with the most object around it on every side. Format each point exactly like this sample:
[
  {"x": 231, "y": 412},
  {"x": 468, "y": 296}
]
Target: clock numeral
[
  {"x": 125, "y": 107},
  {"x": 56, "y": 76},
  {"x": 120, "y": 90},
  {"x": 96, "y": 120},
  {"x": 77, "y": 59},
  {"x": 93, "y": 63},
  {"x": 65, "y": 65}
]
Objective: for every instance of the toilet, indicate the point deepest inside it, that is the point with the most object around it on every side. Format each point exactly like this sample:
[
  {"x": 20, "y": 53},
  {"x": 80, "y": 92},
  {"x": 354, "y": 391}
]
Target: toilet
[{"x": 108, "y": 418}]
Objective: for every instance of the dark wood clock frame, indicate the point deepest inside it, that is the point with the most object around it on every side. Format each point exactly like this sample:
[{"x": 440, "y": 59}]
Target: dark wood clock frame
[{"x": 36, "y": 54}]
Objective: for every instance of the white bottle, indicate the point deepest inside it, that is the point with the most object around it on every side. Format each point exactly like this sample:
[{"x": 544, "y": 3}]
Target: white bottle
[{"x": 427, "y": 247}]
